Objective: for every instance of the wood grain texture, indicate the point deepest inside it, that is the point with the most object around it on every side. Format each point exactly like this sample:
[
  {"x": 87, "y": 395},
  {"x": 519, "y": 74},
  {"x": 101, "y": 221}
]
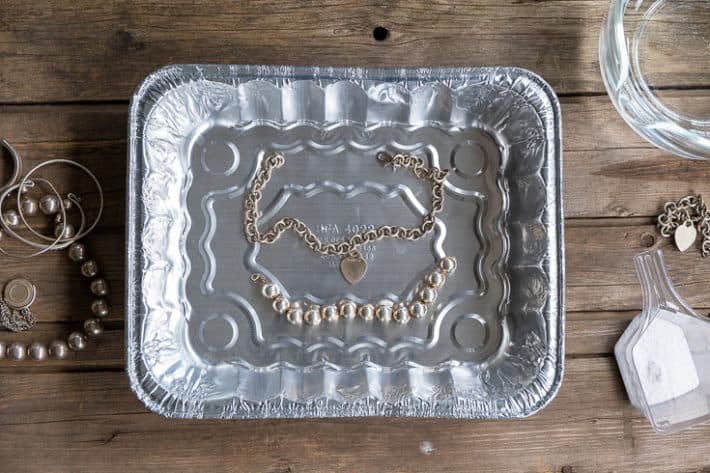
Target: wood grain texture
[
  {"x": 85, "y": 422},
  {"x": 67, "y": 70},
  {"x": 52, "y": 54}
]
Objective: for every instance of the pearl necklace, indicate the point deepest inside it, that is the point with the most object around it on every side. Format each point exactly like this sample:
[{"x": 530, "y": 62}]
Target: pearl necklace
[
  {"x": 75, "y": 341},
  {"x": 20, "y": 293},
  {"x": 385, "y": 311}
]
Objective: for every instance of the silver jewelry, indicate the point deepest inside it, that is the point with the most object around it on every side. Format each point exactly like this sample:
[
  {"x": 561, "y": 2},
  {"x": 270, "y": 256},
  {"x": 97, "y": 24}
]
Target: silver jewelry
[
  {"x": 15, "y": 320},
  {"x": 18, "y": 294},
  {"x": 384, "y": 311},
  {"x": 51, "y": 204},
  {"x": 23, "y": 319},
  {"x": 352, "y": 266},
  {"x": 684, "y": 220},
  {"x": 15, "y": 313},
  {"x": 9, "y": 229}
]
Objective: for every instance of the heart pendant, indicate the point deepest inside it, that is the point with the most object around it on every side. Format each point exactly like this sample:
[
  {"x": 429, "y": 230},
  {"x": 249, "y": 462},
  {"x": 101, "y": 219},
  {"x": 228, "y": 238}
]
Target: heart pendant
[
  {"x": 685, "y": 235},
  {"x": 353, "y": 268}
]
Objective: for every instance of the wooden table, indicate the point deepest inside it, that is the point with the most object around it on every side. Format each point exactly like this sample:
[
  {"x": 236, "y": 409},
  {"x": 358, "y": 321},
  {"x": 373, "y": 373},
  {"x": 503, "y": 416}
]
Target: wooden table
[{"x": 67, "y": 71}]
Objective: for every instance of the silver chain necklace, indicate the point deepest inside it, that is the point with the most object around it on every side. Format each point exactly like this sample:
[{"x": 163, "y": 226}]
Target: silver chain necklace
[
  {"x": 352, "y": 266},
  {"x": 679, "y": 220}
]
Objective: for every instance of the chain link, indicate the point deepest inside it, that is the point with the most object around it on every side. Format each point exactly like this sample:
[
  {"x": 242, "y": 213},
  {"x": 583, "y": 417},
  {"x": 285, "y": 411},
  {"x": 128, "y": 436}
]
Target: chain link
[
  {"x": 351, "y": 245},
  {"x": 690, "y": 208}
]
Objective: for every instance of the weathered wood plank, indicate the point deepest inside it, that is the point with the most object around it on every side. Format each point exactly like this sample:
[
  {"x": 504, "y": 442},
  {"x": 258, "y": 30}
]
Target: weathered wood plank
[
  {"x": 87, "y": 422},
  {"x": 100, "y": 51},
  {"x": 104, "y": 352},
  {"x": 62, "y": 292},
  {"x": 601, "y": 274},
  {"x": 52, "y": 51}
]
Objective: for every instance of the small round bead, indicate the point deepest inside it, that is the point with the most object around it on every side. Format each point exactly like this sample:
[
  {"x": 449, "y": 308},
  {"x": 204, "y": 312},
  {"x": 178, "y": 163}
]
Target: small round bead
[
  {"x": 89, "y": 268},
  {"x": 76, "y": 341},
  {"x": 347, "y": 309},
  {"x": 435, "y": 279},
  {"x": 11, "y": 218},
  {"x": 281, "y": 305},
  {"x": 428, "y": 295},
  {"x": 383, "y": 311},
  {"x": 3, "y": 349},
  {"x": 65, "y": 230},
  {"x": 366, "y": 312},
  {"x": 93, "y": 328},
  {"x": 295, "y": 314},
  {"x": 100, "y": 308},
  {"x": 17, "y": 351},
  {"x": 447, "y": 264},
  {"x": 49, "y": 204},
  {"x": 401, "y": 314},
  {"x": 57, "y": 219},
  {"x": 77, "y": 252},
  {"x": 417, "y": 310},
  {"x": 29, "y": 206},
  {"x": 67, "y": 204},
  {"x": 38, "y": 351},
  {"x": 99, "y": 287},
  {"x": 58, "y": 349},
  {"x": 270, "y": 291},
  {"x": 312, "y": 315},
  {"x": 330, "y": 313}
]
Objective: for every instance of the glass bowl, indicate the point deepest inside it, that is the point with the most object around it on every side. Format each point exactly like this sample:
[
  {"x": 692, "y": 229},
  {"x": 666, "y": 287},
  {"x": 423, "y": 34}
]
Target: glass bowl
[{"x": 655, "y": 62}]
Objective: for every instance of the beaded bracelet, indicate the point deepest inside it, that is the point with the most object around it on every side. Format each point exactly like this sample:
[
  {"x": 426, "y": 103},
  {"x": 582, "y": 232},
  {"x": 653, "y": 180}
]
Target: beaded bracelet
[{"x": 384, "y": 311}]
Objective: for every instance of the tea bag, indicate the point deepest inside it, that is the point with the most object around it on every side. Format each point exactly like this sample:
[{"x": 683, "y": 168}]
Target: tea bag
[{"x": 664, "y": 354}]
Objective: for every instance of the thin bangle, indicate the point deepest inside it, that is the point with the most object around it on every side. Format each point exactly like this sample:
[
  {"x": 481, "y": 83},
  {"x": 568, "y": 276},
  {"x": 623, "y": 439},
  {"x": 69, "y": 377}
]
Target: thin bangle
[
  {"x": 64, "y": 242},
  {"x": 11, "y": 232},
  {"x": 78, "y": 236}
]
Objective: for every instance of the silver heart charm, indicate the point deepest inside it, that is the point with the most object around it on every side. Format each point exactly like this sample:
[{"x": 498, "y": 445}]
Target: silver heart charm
[
  {"x": 353, "y": 268},
  {"x": 685, "y": 235}
]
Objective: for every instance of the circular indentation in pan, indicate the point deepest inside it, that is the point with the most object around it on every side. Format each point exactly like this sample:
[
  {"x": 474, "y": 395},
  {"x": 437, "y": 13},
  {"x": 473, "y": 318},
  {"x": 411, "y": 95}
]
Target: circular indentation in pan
[
  {"x": 219, "y": 332},
  {"x": 468, "y": 159},
  {"x": 213, "y": 151},
  {"x": 470, "y": 332}
]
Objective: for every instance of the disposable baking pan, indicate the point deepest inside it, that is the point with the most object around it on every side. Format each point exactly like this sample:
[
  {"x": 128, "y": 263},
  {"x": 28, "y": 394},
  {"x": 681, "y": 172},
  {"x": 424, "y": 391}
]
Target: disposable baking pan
[{"x": 203, "y": 343}]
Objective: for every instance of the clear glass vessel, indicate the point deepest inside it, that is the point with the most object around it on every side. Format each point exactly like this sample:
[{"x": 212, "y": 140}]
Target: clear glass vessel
[
  {"x": 664, "y": 354},
  {"x": 655, "y": 62}
]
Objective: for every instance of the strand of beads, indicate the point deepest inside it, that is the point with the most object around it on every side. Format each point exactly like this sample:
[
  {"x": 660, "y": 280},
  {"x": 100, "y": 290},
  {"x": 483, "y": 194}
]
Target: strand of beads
[
  {"x": 65, "y": 237},
  {"x": 77, "y": 340},
  {"x": 385, "y": 311}
]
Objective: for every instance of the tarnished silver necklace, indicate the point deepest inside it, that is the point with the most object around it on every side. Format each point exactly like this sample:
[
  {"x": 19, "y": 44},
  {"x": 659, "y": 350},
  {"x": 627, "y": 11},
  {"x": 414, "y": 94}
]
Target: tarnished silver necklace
[
  {"x": 352, "y": 266},
  {"x": 683, "y": 220}
]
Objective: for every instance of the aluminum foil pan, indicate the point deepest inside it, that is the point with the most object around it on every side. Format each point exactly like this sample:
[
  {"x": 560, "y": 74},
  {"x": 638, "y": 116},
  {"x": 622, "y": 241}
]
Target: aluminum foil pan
[{"x": 203, "y": 343}]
